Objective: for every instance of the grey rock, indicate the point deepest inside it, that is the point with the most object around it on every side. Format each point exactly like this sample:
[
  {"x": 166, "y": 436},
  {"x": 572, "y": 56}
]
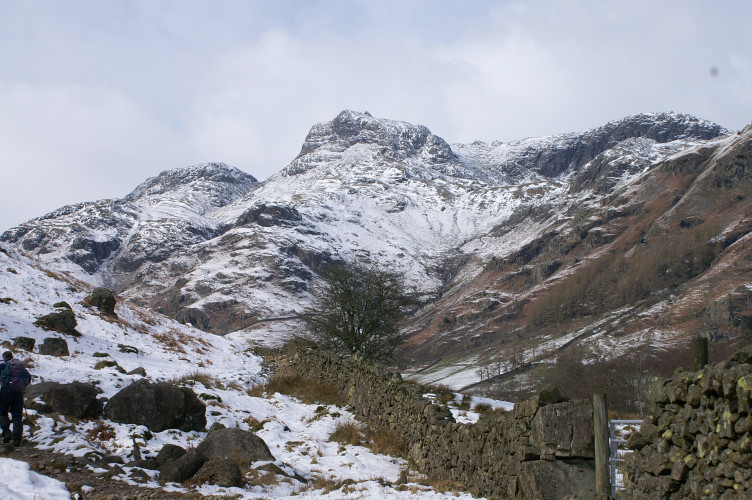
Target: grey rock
[
  {"x": 104, "y": 300},
  {"x": 158, "y": 406},
  {"x": 76, "y": 399},
  {"x": 169, "y": 453},
  {"x": 62, "y": 320},
  {"x": 220, "y": 472},
  {"x": 182, "y": 468},
  {"x": 54, "y": 346},
  {"x": 564, "y": 429},
  {"x": 25, "y": 343},
  {"x": 555, "y": 479},
  {"x": 243, "y": 447}
]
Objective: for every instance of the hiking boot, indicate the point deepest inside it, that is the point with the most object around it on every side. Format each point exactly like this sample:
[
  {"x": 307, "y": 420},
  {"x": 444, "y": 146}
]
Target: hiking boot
[
  {"x": 16, "y": 443},
  {"x": 6, "y": 435}
]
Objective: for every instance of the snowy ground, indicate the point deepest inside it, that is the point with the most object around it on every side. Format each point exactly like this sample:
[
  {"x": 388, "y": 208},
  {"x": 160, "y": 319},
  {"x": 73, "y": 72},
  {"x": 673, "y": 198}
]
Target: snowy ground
[{"x": 297, "y": 434}]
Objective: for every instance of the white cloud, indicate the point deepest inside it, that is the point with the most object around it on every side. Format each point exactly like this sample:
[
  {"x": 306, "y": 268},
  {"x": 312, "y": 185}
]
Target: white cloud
[
  {"x": 98, "y": 96},
  {"x": 64, "y": 144}
]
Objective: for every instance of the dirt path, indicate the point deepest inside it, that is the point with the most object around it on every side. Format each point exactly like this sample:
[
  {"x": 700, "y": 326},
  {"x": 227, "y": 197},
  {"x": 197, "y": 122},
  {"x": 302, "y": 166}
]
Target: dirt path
[{"x": 79, "y": 472}]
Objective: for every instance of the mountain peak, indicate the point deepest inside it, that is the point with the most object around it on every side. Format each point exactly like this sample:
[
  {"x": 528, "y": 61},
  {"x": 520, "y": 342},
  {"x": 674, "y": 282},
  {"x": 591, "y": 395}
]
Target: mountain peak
[
  {"x": 390, "y": 140},
  {"x": 219, "y": 181}
]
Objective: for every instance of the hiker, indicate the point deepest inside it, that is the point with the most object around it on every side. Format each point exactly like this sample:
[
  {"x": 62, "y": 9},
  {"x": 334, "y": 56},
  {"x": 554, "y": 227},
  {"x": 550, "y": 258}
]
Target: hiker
[{"x": 13, "y": 380}]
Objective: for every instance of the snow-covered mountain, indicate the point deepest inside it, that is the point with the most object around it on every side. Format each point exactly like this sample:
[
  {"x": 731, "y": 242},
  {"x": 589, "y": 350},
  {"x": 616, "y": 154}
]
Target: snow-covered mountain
[{"x": 212, "y": 247}]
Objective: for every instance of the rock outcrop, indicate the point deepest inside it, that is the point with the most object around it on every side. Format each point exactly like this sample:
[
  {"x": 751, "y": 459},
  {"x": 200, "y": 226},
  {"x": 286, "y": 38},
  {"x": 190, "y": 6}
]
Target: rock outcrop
[{"x": 104, "y": 300}]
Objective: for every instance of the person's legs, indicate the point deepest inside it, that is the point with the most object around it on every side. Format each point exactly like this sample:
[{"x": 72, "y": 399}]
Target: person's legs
[
  {"x": 4, "y": 421},
  {"x": 16, "y": 412}
]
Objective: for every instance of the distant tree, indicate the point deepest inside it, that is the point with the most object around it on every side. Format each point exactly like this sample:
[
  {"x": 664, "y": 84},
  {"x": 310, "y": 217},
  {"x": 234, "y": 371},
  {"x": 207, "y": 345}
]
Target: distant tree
[{"x": 358, "y": 308}]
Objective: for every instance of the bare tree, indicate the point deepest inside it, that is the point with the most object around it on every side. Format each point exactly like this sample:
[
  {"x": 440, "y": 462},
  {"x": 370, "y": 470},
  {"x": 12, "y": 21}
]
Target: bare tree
[{"x": 358, "y": 308}]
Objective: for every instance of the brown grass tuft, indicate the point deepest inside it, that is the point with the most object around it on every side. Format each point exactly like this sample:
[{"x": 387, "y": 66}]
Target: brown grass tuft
[
  {"x": 378, "y": 439},
  {"x": 201, "y": 377},
  {"x": 308, "y": 390},
  {"x": 102, "y": 432}
]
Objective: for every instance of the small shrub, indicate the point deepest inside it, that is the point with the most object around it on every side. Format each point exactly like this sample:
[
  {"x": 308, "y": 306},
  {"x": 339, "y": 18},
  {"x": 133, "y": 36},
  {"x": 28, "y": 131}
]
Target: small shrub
[
  {"x": 385, "y": 441},
  {"x": 444, "y": 485},
  {"x": 378, "y": 439},
  {"x": 102, "y": 432},
  {"x": 12, "y": 271},
  {"x": 443, "y": 393},
  {"x": 348, "y": 433},
  {"x": 196, "y": 377},
  {"x": 101, "y": 355},
  {"x": 483, "y": 408},
  {"x": 7, "y": 300},
  {"x": 464, "y": 404},
  {"x": 256, "y": 391}
]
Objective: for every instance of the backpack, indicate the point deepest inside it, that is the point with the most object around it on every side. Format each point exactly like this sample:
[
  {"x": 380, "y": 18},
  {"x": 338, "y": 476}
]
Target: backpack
[{"x": 15, "y": 377}]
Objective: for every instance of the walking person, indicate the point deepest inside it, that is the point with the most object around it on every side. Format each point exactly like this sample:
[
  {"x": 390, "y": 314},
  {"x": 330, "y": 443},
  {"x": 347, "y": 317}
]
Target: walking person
[{"x": 13, "y": 380}]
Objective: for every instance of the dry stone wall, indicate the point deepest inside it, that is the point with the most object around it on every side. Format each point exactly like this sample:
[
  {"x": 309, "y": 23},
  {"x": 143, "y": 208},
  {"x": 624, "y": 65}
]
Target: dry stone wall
[
  {"x": 696, "y": 441},
  {"x": 538, "y": 450}
]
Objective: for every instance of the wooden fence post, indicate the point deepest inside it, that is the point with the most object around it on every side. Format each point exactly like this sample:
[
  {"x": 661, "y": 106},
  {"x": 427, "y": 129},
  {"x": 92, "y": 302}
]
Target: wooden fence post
[
  {"x": 602, "y": 451},
  {"x": 699, "y": 349}
]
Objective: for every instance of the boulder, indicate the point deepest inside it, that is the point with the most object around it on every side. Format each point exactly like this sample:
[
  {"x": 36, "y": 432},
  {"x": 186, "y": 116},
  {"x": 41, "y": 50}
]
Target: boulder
[
  {"x": 220, "y": 472},
  {"x": 76, "y": 399},
  {"x": 62, "y": 320},
  {"x": 182, "y": 468},
  {"x": 158, "y": 406},
  {"x": 54, "y": 346},
  {"x": 25, "y": 343},
  {"x": 104, "y": 300},
  {"x": 242, "y": 447}
]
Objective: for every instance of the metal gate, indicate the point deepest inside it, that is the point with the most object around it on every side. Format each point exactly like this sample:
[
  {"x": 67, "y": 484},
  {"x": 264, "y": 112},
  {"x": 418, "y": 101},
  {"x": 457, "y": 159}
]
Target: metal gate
[{"x": 620, "y": 430}]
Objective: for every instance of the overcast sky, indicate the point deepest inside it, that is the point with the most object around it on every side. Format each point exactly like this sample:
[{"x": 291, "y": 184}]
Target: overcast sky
[{"x": 96, "y": 96}]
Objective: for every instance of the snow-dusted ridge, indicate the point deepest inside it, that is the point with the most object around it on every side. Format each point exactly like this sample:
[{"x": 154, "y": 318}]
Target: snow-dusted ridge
[{"x": 211, "y": 246}]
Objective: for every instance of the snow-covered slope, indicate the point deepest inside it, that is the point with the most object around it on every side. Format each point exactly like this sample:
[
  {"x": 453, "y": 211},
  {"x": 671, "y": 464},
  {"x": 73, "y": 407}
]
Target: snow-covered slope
[
  {"x": 211, "y": 247},
  {"x": 296, "y": 433}
]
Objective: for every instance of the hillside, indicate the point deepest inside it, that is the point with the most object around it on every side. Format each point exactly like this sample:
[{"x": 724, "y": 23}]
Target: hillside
[
  {"x": 600, "y": 241},
  {"x": 629, "y": 275},
  {"x": 95, "y": 456}
]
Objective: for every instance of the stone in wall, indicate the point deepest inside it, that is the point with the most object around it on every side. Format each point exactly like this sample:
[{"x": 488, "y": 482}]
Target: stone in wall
[
  {"x": 556, "y": 479},
  {"x": 564, "y": 430}
]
